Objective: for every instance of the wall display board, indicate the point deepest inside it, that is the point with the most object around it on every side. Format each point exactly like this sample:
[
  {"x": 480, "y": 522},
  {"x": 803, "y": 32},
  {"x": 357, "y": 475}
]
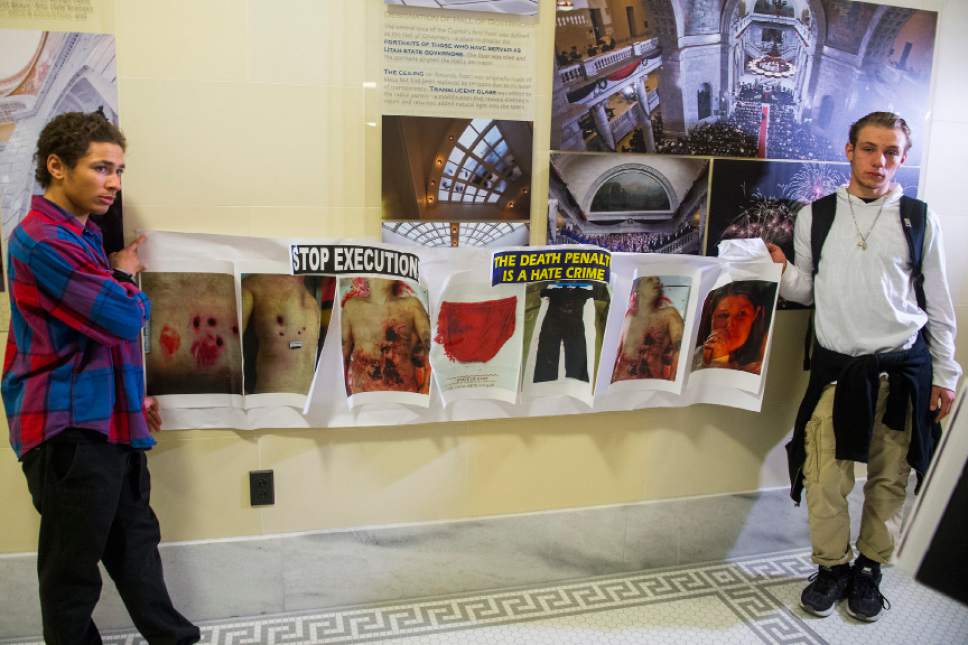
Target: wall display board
[
  {"x": 745, "y": 78},
  {"x": 516, "y": 7},
  {"x": 458, "y": 64},
  {"x": 241, "y": 334},
  {"x": 457, "y": 134}
]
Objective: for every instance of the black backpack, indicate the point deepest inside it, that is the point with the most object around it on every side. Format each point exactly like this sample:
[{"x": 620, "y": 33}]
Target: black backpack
[{"x": 914, "y": 221}]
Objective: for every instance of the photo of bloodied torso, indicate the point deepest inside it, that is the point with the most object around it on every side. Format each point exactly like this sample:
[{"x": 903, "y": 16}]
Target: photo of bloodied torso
[
  {"x": 385, "y": 335},
  {"x": 283, "y": 329},
  {"x": 193, "y": 344},
  {"x": 653, "y": 328}
]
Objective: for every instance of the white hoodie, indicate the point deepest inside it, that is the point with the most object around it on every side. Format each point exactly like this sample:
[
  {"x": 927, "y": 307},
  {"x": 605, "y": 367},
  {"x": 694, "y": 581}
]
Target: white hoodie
[{"x": 865, "y": 299}]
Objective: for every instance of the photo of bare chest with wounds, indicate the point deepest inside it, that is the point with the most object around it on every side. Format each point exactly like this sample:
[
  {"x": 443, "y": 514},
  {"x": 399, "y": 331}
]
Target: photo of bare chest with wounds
[
  {"x": 284, "y": 319},
  {"x": 385, "y": 335},
  {"x": 194, "y": 344}
]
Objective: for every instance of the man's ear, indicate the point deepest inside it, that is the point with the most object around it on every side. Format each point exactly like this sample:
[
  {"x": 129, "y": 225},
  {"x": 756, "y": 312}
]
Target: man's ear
[
  {"x": 849, "y": 151},
  {"x": 56, "y": 167}
]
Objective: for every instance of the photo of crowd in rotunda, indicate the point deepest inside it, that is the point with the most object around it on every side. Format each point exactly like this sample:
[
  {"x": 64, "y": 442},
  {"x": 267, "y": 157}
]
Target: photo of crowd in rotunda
[
  {"x": 775, "y": 79},
  {"x": 633, "y": 203}
]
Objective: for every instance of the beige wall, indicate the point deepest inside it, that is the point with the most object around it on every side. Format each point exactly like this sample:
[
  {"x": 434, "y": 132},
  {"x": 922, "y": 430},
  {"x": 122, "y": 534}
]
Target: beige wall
[{"x": 251, "y": 117}]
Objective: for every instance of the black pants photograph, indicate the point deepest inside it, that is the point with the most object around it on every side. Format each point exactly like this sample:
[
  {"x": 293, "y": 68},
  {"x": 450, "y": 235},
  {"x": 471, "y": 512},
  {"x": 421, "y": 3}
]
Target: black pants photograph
[
  {"x": 566, "y": 331},
  {"x": 92, "y": 497}
]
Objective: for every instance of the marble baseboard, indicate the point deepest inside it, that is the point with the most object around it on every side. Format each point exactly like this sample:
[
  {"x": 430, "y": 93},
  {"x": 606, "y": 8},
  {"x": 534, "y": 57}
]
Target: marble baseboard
[{"x": 218, "y": 580}]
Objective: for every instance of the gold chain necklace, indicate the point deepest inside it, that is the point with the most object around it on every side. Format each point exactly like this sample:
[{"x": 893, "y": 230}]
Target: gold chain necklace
[{"x": 861, "y": 238}]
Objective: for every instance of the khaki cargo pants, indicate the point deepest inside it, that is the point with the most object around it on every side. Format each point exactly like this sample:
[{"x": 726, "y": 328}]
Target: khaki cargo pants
[{"x": 828, "y": 481}]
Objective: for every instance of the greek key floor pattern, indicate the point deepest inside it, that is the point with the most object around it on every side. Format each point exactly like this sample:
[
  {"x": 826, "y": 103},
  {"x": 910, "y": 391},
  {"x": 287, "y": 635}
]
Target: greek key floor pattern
[{"x": 747, "y": 600}]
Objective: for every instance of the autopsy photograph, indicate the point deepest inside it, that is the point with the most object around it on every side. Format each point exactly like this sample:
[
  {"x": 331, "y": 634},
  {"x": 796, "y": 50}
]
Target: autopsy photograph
[
  {"x": 46, "y": 74},
  {"x": 572, "y": 310},
  {"x": 511, "y": 7},
  {"x": 456, "y": 170},
  {"x": 194, "y": 345},
  {"x": 652, "y": 329},
  {"x": 385, "y": 334},
  {"x": 734, "y": 326},
  {"x": 457, "y": 234},
  {"x": 774, "y": 79},
  {"x": 284, "y": 321},
  {"x": 634, "y": 203}
]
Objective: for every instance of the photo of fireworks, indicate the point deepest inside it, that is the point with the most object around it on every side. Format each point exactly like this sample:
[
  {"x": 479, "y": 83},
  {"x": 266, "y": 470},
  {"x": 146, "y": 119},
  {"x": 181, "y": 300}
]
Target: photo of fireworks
[{"x": 751, "y": 198}]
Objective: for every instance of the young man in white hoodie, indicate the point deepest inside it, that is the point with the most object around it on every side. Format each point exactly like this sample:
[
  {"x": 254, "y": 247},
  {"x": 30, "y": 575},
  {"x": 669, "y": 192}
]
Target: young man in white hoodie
[{"x": 883, "y": 370}]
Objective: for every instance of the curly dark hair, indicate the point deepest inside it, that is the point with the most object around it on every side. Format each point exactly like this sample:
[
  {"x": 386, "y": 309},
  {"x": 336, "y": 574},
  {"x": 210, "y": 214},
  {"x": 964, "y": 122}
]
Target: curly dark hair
[{"x": 69, "y": 135}]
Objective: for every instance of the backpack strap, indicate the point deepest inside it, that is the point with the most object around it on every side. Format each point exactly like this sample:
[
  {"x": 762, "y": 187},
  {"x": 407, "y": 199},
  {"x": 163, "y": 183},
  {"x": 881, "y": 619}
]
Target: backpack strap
[
  {"x": 914, "y": 222},
  {"x": 823, "y": 211}
]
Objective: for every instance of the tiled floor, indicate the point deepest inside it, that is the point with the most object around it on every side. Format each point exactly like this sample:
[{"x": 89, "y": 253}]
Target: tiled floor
[
  {"x": 518, "y": 7},
  {"x": 747, "y": 600}
]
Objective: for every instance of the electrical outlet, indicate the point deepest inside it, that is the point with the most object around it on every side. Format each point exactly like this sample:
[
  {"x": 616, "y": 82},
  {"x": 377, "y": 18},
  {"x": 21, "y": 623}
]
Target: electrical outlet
[{"x": 261, "y": 488}]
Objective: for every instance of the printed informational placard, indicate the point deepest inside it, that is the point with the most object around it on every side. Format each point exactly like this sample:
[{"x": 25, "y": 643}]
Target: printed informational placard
[
  {"x": 509, "y": 7},
  {"x": 582, "y": 263},
  {"x": 458, "y": 64}
]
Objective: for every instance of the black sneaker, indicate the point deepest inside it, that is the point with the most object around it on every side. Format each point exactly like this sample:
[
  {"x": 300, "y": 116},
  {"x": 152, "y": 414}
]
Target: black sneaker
[
  {"x": 864, "y": 599},
  {"x": 827, "y": 586}
]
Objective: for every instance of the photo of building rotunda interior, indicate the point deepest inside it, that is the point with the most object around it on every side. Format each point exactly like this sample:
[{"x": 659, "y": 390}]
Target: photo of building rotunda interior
[
  {"x": 778, "y": 79},
  {"x": 454, "y": 234},
  {"x": 456, "y": 170},
  {"x": 43, "y": 74},
  {"x": 633, "y": 203}
]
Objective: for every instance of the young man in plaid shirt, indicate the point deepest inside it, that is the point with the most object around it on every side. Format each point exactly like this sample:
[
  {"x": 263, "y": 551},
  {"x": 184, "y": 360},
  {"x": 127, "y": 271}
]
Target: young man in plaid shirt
[{"x": 73, "y": 388}]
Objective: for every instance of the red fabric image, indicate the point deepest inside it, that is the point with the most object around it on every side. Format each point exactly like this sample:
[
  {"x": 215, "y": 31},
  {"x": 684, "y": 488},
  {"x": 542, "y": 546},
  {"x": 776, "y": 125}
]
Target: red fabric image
[{"x": 474, "y": 332}]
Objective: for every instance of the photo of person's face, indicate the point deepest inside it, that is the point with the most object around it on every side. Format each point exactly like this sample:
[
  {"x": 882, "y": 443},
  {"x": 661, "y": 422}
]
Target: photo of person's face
[
  {"x": 735, "y": 325},
  {"x": 732, "y": 321},
  {"x": 649, "y": 288}
]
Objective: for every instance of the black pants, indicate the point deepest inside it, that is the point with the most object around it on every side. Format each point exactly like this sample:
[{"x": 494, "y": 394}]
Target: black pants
[
  {"x": 555, "y": 331},
  {"x": 93, "y": 503}
]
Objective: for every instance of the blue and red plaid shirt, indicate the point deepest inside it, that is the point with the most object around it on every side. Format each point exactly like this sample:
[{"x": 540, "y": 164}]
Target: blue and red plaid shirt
[{"x": 74, "y": 351}]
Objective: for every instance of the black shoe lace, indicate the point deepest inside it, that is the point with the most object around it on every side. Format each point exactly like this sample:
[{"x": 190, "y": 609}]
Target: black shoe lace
[{"x": 866, "y": 587}]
